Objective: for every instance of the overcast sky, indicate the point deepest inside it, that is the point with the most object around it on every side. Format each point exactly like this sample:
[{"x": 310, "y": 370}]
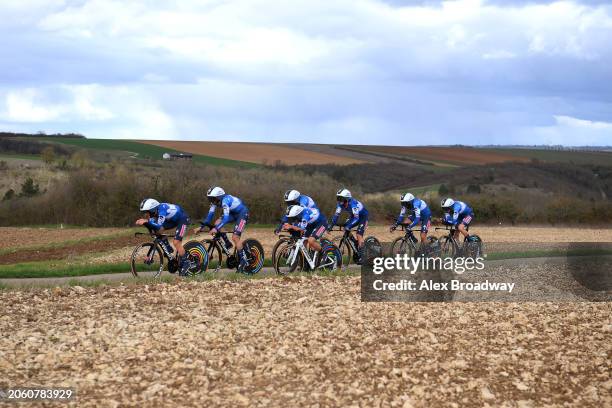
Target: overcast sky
[{"x": 330, "y": 71}]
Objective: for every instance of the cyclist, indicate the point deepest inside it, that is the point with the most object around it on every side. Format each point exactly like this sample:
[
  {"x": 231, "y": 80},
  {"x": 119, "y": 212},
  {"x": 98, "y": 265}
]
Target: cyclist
[
  {"x": 164, "y": 216},
  {"x": 294, "y": 197},
  {"x": 309, "y": 221},
  {"x": 233, "y": 210},
  {"x": 358, "y": 215},
  {"x": 419, "y": 212},
  {"x": 457, "y": 213}
]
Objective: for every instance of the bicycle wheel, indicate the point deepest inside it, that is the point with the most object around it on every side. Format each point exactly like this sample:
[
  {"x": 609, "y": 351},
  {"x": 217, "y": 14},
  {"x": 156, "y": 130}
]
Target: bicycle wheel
[
  {"x": 198, "y": 255},
  {"x": 147, "y": 257},
  {"x": 215, "y": 256},
  {"x": 255, "y": 254},
  {"x": 282, "y": 264},
  {"x": 276, "y": 245},
  {"x": 449, "y": 249},
  {"x": 372, "y": 248},
  {"x": 331, "y": 258},
  {"x": 345, "y": 251},
  {"x": 401, "y": 246}
]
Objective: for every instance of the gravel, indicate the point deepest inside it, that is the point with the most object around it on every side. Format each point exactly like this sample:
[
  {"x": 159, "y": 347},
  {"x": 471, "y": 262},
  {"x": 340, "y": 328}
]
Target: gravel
[{"x": 301, "y": 342}]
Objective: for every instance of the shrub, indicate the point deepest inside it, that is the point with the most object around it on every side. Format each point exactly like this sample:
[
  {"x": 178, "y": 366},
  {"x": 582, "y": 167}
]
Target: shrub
[{"x": 29, "y": 188}]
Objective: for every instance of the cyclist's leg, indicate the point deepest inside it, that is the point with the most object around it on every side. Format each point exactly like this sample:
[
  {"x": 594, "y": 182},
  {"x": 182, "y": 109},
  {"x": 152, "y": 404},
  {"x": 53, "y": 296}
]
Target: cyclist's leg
[
  {"x": 425, "y": 225},
  {"x": 362, "y": 225},
  {"x": 315, "y": 232},
  {"x": 181, "y": 231},
  {"x": 464, "y": 223},
  {"x": 241, "y": 222}
]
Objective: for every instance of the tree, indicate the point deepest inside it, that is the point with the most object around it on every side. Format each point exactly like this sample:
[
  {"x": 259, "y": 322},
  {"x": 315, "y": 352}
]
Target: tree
[
  {"x": 28, "y": 188},
  {"x": 48, "y": 155},
  {"x": 442, "y": 190}
]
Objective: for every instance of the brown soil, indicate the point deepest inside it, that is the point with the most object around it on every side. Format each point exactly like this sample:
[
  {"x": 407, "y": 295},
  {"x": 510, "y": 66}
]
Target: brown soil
[
  {"x": 301, "y": 342},
  {"x": 19, "y": 237},
  {"x": 457, "y": 155},
  {"x": 254, "y": 152},
  {"x": 69, "y": 251}
]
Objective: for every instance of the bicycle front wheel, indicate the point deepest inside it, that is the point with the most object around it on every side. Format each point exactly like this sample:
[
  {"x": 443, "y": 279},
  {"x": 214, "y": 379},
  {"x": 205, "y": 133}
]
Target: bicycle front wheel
[
  {"x": 215, "y": 257},
  {"x": 276, "y": 246},
  {"x": 147, "y": 258},
  {"x": 345, "y": 251},
  {"x": 284, "y": 254}
]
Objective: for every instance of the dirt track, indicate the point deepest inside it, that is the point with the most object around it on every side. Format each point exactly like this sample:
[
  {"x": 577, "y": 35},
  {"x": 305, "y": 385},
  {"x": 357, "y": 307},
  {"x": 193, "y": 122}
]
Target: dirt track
[{"x": 301, "y": 342}]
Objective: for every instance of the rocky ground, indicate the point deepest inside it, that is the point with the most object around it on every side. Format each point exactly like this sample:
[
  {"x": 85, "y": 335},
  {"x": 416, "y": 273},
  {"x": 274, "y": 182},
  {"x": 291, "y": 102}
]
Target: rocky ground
[{"x": 301, "y": 342}]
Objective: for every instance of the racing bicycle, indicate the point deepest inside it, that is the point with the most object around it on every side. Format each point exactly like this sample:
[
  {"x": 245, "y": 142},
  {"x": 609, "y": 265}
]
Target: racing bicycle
[
  {"x": 472, "y": 247},
  {"x": 217, "y": 250},
  {"x": 409, "y": 244},
  {"x": 349, "y": 248},
  {"x": 151, "y": 256},
  {"x": 293, "y": 255}
]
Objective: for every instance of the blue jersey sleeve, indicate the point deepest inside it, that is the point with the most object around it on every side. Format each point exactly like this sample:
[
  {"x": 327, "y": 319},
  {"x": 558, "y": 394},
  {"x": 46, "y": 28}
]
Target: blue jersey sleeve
[
  {"x": 401, "y": 216},
  {"x": 211, "y": 213},
  {"x": 225, "y": 206},
  {"x": 416, "y": 215},
  {"x": 158, "y": 223},
  {"x": 336, "y": 215}
]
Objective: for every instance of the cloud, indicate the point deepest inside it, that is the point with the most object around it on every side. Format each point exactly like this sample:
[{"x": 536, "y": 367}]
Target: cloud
[{"x": 372, "y": 71}]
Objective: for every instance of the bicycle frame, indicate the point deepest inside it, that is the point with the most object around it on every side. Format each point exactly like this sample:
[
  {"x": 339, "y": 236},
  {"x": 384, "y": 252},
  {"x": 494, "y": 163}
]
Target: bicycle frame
[
  {"x": 158, "y": 240},
  {"x": 301, "y": 247}
]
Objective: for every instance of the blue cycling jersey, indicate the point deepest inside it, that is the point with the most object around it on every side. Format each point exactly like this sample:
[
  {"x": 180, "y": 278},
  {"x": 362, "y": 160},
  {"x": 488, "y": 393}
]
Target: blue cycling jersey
[
  {"x": 458, "y": 211},
  {"x": 419, "y": 208},
  {"x": 303, "y": 201},
  {"x": 355, "y": 208},
  {"x": 231, "y": 207},
  {"x": 167, "y": 216},
  {"x": 309, "y": 216}
]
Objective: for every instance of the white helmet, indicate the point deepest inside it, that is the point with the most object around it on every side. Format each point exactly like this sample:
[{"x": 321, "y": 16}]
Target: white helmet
[
  {"x": 406, "y": 198},
  {"x": 447, "y": 202},
  {"x": 148, "y": 204},
  {"x": 343, "y": 193},
  {"x": 294, "y": 211},
  {"x": 292, "y": 195},
  {"x": 215, "y": 192}
]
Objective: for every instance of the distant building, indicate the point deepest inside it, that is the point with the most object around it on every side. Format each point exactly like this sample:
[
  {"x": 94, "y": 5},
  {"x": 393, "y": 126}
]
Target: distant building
[{"x": 177, "y": 156}]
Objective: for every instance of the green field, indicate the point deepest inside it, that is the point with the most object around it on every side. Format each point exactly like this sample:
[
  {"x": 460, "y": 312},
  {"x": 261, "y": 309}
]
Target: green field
[{"x": 141, "y": 150}]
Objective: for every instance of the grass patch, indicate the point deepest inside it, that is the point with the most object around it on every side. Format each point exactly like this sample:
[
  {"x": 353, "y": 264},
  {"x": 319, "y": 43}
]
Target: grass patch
[
  {"x": 58, "y": 270},
  {"x": 20, "y": 156}
]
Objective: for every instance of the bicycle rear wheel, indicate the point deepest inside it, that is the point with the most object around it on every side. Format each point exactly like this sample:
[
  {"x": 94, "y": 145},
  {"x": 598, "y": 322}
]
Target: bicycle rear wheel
[
  {"x": 198, "y": 255},
  {"x": 255, "y": 254},
  {"x": 331, "y": 258},
  {"x": 145, "y": 258},
  {"x": 282, "y": 264}
]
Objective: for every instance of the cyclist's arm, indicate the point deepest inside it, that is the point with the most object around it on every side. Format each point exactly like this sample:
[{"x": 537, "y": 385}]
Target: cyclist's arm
[
  {"x": 211, "y": 213},
  {"x": 354, "y": 219},
  {"x": 336, "y": 215},
  {"x": 225, "y": 218},
  {"x": 415, "y": 218},
  {"x": 161, "y": 218},
  {"x": 401, "y": 216}
]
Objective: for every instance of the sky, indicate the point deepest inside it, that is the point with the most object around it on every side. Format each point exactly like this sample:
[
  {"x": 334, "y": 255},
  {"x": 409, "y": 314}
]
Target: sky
[{"x": 310, "y": 71}]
